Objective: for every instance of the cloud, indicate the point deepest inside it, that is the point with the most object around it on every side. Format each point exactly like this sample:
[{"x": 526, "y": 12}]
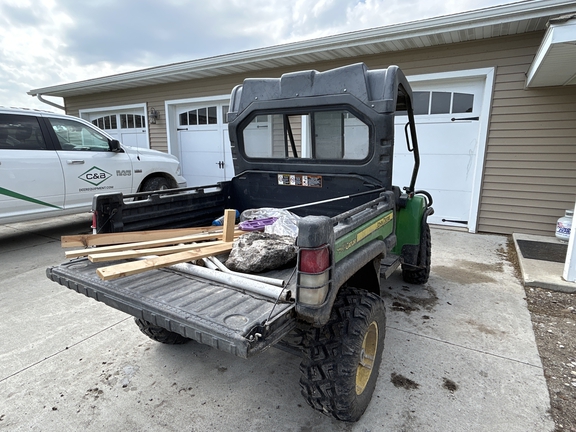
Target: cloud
[{"x": 49, "y": 42}]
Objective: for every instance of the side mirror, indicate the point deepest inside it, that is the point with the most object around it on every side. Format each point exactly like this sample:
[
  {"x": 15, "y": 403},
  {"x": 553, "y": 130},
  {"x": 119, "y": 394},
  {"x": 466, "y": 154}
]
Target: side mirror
[{"x": 114, "y": 146}]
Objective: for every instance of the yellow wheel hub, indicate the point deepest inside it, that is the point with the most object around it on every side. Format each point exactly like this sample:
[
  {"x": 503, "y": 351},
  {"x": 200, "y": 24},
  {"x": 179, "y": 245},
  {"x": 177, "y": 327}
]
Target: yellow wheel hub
[{"x": 367, "y": 357}]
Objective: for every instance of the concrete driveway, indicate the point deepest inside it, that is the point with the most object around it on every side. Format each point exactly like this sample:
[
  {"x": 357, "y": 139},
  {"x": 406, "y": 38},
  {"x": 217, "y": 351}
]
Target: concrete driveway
[{"x": 460, "y": 355}]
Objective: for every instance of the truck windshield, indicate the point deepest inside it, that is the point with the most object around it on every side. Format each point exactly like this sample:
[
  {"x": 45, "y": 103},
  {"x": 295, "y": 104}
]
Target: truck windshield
[{"x": 324, "y": 135}]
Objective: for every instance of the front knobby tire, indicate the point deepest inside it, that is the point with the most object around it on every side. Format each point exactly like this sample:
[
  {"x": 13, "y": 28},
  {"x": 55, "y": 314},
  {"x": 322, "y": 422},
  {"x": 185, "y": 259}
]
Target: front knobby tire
[
  {"x": 341, "y": 359},
  {"x": 420, "y": 275},
  {"x": 154, "y": 184},
  {"x": 160, "y": 334}
]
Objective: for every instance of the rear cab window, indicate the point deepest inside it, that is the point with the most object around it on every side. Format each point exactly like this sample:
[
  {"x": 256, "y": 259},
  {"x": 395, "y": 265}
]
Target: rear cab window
[{"x": 318, "y": 135}]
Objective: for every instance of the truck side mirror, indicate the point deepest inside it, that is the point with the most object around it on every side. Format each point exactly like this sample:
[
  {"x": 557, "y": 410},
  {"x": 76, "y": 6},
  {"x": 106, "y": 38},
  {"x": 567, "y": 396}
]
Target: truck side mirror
[{"x": 114, "y": 145}]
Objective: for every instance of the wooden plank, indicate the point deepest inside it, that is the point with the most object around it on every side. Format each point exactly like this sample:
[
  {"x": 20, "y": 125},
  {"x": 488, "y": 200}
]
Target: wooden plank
[
  {"x": 135, "y": 267},
  {"x": 147, "y": 244},
  {"x": 87, "y": 240},
  {"x": 114, "y": 256},
  {"x": 229, "y": 220}
]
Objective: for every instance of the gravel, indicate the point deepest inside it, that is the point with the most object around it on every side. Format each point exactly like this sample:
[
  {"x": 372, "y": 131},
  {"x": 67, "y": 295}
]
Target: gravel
[{"x": 554, "y": 322}]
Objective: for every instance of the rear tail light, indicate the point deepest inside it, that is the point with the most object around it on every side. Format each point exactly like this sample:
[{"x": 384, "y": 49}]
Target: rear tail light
[
  {"x": 313, "y": 275},
  {"x": 94, "y": 223}
]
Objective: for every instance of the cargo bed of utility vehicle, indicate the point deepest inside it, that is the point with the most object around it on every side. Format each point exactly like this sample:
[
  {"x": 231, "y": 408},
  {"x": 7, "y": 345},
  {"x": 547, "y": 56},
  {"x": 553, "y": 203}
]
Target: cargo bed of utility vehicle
[{"x": 222, "y": 315}]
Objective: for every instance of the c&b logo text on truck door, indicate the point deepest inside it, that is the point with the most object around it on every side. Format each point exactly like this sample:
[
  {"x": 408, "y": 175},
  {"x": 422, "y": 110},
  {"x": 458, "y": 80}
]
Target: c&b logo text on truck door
[{"x": 95, "y": 176}]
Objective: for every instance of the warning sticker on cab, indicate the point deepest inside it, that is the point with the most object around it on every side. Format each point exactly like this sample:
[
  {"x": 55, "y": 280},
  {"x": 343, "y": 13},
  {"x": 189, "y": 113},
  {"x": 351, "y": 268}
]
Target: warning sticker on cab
[{"x": 300, "y": 180}]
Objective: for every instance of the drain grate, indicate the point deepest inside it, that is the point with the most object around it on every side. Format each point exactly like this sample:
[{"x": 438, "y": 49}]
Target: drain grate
[{"x": 543, "y": 251}]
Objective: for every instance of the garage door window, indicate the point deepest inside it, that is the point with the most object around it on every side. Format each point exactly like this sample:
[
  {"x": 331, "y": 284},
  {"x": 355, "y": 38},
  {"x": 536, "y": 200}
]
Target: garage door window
[
  {"x": 440, "y": 103},
  {"x": 127, "y": 121},
  {"x": 463, "y": 103},
  {"x": 132, "y": 121},
  {"x": 106, "y": 122},
  {"x": 198, "y": 117},
  {"x": 436, "y": 102}
]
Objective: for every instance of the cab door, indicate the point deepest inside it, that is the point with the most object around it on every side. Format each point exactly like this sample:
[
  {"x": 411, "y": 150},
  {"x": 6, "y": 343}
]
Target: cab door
[
  {"x": 88, "y": 164},
  {"x": 31, "y": 179}
]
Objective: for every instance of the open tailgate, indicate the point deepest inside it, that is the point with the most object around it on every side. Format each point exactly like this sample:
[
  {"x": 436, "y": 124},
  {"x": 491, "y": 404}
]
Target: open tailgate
[{"x": 207, "y": 312}]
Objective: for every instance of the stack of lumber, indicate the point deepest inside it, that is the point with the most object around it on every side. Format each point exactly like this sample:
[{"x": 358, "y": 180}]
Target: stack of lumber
[{"x": 161, "y": 248}]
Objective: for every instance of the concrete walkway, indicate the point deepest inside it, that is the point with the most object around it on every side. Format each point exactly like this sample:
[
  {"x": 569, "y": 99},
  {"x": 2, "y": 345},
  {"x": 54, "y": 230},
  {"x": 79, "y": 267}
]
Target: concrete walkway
[
  {"x": 460, "y": 355},
  {"x": 542, "y": 273}
]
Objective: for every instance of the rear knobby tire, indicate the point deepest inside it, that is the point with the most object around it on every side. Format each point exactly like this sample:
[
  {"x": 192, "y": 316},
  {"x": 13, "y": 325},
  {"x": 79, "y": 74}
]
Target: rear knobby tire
[
  {"x": 160, "y": 334},
  {"x": 341, "y": 359},
  {"x": 421, "y": 274}
]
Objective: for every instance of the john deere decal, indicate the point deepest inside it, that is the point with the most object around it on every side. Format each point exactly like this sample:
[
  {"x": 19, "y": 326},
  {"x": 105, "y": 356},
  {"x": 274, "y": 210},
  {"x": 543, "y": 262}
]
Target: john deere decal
[{"x": 95, "y": 176}]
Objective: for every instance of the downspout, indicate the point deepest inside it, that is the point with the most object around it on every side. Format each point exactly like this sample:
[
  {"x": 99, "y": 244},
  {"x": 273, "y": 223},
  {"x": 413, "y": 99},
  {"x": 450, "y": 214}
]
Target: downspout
[{"x": 55, "y": 105}]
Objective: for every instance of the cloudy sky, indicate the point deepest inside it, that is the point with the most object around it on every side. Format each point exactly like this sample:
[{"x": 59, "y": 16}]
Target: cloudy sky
[{"x": 50, "y": 42}]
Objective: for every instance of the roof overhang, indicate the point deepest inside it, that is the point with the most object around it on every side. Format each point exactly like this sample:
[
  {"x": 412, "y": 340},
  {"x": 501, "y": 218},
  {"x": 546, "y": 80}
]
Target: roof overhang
[
  {"x": 510, "y": 19},
  {"x": 555, "y": 62}
]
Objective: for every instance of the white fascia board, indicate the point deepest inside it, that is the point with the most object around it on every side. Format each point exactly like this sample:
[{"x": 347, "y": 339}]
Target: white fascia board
[
  {"x": 114, "y": 108},
  {"x": 557, "y": 36},
  {"x": 197, "y": 100},
  {"x": 543, "y": 50}
]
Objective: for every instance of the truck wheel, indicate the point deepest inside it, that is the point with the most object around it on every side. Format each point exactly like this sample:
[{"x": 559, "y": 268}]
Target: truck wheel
[
  {"x": 154, "y": 184},
  {"x": 160, "y": 334},
  {"x": 420, "y": 275},
  {"x": 341, "y": 359}
]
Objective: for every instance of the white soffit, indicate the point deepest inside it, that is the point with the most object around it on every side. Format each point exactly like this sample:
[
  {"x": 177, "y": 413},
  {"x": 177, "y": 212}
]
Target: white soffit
[
  {"x": 509, "y": 19},
  {"x": 555, "y": 62}
]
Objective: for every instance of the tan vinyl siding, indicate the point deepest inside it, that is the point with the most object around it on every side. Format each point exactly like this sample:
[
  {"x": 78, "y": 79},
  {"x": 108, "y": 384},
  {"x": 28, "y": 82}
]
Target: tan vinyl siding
[
  {"x": 529, "y": 176},
  {"x": 279, "y": 137},
  {"x": 530, "y": 169}
]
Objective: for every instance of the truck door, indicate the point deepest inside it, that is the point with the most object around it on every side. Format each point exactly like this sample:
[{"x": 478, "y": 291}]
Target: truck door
[
  {"x": 31, "y": 179},
  {"x": 88, "y": 164}
]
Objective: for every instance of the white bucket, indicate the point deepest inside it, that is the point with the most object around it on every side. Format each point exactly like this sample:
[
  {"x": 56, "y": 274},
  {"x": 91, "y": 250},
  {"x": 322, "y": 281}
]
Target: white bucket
[{"x": 564, "y": 225}]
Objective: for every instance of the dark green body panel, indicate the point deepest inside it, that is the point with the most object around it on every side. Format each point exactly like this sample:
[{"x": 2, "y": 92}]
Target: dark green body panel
[
  {"x": 409, "y": 223},
  {"x": 377, "y": 228}
]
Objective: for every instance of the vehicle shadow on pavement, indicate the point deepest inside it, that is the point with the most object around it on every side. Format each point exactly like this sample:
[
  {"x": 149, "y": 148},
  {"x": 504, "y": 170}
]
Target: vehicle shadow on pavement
[{"x": 26, "y": 234}]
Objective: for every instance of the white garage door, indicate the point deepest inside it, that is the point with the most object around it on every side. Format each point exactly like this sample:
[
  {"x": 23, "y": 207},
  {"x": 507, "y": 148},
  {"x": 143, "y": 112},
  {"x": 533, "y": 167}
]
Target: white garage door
[
  {"x": 449, "y": 120},
  {"x": 204, "y": 144},
  {"x": 129, "y": 126}
]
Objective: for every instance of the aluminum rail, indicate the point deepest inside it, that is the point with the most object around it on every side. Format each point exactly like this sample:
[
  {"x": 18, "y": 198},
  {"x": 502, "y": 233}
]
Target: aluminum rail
[
  {"x": 220, "y": 266},
  {"x": 240, "y": 282}
]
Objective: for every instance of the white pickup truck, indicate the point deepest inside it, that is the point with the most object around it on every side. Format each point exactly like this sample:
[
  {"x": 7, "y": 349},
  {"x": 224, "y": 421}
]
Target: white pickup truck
[{"x": 53, "y": 164}]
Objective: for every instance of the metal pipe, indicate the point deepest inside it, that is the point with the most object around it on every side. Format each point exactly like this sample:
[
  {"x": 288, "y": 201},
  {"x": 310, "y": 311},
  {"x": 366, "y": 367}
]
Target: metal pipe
[
  {"x": 242, "y": 283},
  {"x": 276, "y": 282},
  {"x": 335, "y": 199},
  {"x": 209, "y": 264},
  {"x": 359, "y": 209},
  {"x": 414, "y": 146}
]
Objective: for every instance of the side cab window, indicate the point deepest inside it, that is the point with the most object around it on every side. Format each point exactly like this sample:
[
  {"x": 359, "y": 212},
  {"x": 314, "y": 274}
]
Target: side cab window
[
  {"x": 20, "y": 132},
  {"x": 74, "y": 135}
]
